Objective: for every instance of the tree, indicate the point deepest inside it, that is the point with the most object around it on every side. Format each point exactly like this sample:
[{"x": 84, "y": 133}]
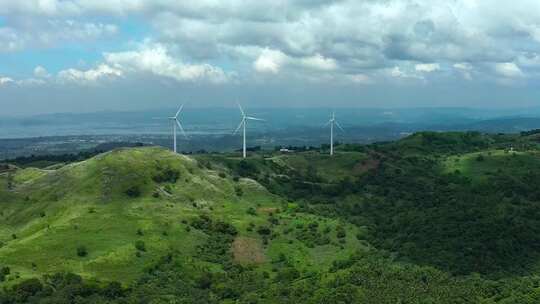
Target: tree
[
  {"x": 81, "y": 251},
  {"x": 140, "y": 245}
]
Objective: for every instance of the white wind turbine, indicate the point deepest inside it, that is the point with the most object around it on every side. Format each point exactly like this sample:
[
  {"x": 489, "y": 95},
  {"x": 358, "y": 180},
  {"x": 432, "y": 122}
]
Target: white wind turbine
[
  {"x": 176, "y": 122},
  {"x": 333, "y": 122},
  {"x": 242, "y": 124}
]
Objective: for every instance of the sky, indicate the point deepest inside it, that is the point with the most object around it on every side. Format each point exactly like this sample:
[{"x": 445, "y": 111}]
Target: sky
[{"x": 93, "y": 55}]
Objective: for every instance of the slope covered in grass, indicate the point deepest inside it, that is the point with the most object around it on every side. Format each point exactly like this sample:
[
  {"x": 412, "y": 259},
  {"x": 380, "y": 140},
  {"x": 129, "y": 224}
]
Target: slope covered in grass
[
  {"x": 105, "y": 205},
  {"x": 433, "y": 218}
]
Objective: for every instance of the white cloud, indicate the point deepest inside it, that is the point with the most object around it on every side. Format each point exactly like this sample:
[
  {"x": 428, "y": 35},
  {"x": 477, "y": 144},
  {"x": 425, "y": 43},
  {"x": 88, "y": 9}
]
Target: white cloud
[
  {"x": 91, "y": 76},
  {"x": 463, "y": 66},
  {"x": 427, "y": 67},
  {"x": 31, "y": 82},
  {"x": 41, "y": 72},
  {"x": 465, "y": 69},
  {"x": 155, "y": 60},
  {"x": 360, "y": 79},
  {"x": 508, "y": 69},
  {"x": 319, "y": 62},
  {"x": 341, "y": 38},
  {"x": 50, "y": 33},
  {"x": 396, "y": 72},
  {"x": 269, "y": 61},
  {"x": 5, "y": 80}
]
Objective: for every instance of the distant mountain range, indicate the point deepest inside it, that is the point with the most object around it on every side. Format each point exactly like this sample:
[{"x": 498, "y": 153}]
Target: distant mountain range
[
  {"x": 211, "y": 129},
  {"x": 214, "y": 121}
]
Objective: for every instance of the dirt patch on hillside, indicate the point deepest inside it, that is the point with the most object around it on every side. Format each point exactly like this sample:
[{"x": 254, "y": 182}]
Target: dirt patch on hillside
[
  {"x": 247, "y": 251},
  {"x": 366, "y": 165},
  {"x": 266, "y": 210}
]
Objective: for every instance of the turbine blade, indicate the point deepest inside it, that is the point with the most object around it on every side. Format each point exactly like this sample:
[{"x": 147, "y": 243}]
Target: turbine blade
[
  {"x": 241, "y": 110},
  {"x": 254, "y": 118},
  {"x": 327, "y": 124},
  {"x": 339, "y": 126},
  {"x": 239, "y": 126},
  {"x": 179, "y": 110},
  {"x": 181, "y": 129}
]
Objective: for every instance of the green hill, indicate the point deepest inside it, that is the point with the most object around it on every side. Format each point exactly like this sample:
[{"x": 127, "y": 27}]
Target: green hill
[
  {"x": 110, "y": 202},
  {"x": 433, "y": 218}
]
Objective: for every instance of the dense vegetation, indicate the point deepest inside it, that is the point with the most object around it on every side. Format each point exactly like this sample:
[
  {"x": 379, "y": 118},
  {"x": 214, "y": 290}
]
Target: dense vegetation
[{"x": 433, "y": 218}]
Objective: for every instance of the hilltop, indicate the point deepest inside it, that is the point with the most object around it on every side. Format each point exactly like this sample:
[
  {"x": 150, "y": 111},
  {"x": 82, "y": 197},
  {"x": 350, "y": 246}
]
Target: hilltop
[
  {"x": 108, "y": 203},
  {"x": 432, "y": 218}
]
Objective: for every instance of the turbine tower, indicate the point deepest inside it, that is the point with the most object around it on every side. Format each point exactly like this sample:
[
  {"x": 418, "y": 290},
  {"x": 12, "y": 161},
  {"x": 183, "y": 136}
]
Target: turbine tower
[
  {"x": 242, "y": 125},
  {"x": 333, "y": 122},
  {"x": 176, "y": 122}
]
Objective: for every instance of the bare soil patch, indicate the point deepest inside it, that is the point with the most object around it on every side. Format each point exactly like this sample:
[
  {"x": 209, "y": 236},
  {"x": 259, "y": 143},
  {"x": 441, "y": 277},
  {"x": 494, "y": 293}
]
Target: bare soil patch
[
  {"x": 247, "y": 250},
  {"x": 266, "y": 210},
  {"x": 366, "y": 165}
]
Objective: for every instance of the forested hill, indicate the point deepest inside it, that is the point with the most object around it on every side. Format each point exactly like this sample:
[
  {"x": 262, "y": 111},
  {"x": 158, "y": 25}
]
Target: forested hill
[{"x": 432, "y": 218}]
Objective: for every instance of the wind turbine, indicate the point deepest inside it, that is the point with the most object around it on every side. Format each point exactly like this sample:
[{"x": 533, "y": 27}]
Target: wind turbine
[
  {"x": 242, "y": 125},
  {"x": 333, "y": 122},
  {"x": 174, "y": 120}
]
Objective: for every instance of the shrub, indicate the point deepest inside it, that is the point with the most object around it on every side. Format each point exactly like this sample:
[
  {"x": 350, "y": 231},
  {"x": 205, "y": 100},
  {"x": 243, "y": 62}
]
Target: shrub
[
  {"x": 340, "y": 232},
  {"x": 225, "y": 228},
  {"x": 81, "y": 251},
  {"x": 28, "y": 288},
  {"x": 133, "y": 191},
  {"x": 263, "y": 230},
  {"x": 238, "y": 191},
  {"x": 140, "y": 245},
  {"x": 167, "y": 175},
  {"x": 251, "y": 211},
  {"x": 222, "y": 175},
  {"x": 5, "y": 270},
  {"x": 246, "y": 169},
  {"x": 113, "y": 290}
]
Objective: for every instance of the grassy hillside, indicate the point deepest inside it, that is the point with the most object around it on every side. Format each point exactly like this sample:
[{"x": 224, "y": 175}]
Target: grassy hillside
[
  {"x": 110, "y": 202},
  {"x": 433, "y": 218}
]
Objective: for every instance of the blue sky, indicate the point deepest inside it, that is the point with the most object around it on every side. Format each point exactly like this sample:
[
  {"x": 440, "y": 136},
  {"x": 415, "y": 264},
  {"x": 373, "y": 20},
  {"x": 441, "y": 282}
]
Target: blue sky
[{"x": 86, "y": 55}]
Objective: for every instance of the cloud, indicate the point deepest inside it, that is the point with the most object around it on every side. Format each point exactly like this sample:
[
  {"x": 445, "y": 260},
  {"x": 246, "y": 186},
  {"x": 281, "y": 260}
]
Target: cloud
[
  {"x": 27, "y": 33},
  {"x": 508, "y": 69},
  {"x": 202, "y": 40},
  {"x": 360, "y": 79},
  {"x": 427, "y": 67},
  {"x": 156, "y": 60},
  {"x": 465, "y": 68},
  {"x": 270, "y": 61},
  {"x": 399, "y": 73},
  {"x": 319, "y": 62},
  {"x": 5, "y": 80},
  {"x": 91, "y": 76},
  {"x": 41, "y": 72}
]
